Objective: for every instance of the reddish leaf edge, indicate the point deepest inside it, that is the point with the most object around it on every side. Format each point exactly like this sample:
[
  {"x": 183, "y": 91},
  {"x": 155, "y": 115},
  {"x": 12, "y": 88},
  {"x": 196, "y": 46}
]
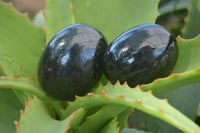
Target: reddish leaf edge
[
  {"x": 31, "y": 86},
  {"x": 27, "y": 103},
  {"x": 25, "y": 14},
  {"x": 103, "y": 98},
  {"x": 175, "y": 80}
]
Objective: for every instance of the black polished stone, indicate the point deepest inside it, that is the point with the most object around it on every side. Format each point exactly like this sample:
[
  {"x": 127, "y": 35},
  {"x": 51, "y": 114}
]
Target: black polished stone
[
  {"x": 71, "y": 63},
  {"x": 140, "y": 55}
]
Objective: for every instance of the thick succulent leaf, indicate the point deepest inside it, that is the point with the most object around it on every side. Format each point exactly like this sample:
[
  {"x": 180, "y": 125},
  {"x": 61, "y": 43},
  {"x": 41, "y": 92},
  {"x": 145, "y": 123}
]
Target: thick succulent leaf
[
  {"x": 36, "y": 119},
  {"x": 192, "y": 21},
  {"x": 188, "y": 55},
  {"x": 112, "y": 17},
  {"x": 2, "y": 72},
  {"x": 172, "y": 82},
  {"x": 76, "y": 119},
  {"x": 20, "y": 83},
  {"x": 29, "y": 85},
  {"x": 21, "y": 43},
  {"x": 58, "y": 15},
  {"x": 9, "y": 111},
  {"x": 131, "y": 130},
  {"x": 100, "y": 118},
  {"x": 122, "y": 118},
  {"x": 10, "y": 104},
  {"x": 110, "y": 127},
  {"x": 185, "y": 99},
  {"x": 134, "y": 98},
  {"x": 186, "y": 70},
  {"x": 185, "y": 85}
]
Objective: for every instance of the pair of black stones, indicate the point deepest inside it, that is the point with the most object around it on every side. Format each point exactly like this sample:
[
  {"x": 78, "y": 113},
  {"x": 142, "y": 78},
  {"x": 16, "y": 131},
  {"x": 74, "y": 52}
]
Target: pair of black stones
[{"x": 75, "y": 59}]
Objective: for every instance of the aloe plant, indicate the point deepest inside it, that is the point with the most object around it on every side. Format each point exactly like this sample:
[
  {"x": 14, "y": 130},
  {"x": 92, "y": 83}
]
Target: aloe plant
[{"x": 169, "y": 104}]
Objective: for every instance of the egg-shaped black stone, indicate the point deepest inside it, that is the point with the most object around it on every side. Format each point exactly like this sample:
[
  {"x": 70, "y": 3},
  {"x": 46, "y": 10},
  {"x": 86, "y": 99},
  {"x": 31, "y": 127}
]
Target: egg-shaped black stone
[
  {"x": 140, "y": 55},
  {"x": 71, "y": 64}
]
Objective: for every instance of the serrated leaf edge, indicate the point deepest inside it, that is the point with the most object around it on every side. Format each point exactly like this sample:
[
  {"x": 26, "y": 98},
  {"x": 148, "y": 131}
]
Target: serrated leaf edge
[
  {"x": 158, "y": 86},
  {"x": 27, "y": 103},
  {"x": 24, "y": 15},
  {"x": 137, "y": 104}
]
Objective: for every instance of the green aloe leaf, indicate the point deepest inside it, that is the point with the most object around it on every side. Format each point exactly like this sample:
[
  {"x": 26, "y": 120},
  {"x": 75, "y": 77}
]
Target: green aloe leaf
[
  {"x": 58, "y": 15},
  {"x": 185, "y": 85},
  {"x": 122, "y": 118},
  {"x": 172, "y": 82},
  {"x": 134, "y": 98},
  {"x": 2, "y": 72},
  {"x": 188, "y": 55},
  {"x": 112, "y": 17},
  {"x": 77, "y": 118},
  {"x": 29, "y": 85},
  {"x": 193, "y": 21},
  {"x": 21, "y": 43},
  {"x": 185, "y": 99},
  {"x": 22, "y": 84},
  {"x": 110, "y": 127},
  {"x": 61, "y": 13},
  {"x": 185, "y": 72},
  {"x": 10, "y": 107},
  {"x": 100, "y": 118},
  {"x": 36, "y": 119}
]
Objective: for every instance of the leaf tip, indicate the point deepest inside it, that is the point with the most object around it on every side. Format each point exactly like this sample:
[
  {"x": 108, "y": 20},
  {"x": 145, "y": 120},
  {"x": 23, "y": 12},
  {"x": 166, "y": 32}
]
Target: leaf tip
[
  {"x": 139, "y": 101},
  {"x": 103, "y": 93},
  {"x": 27, "y": 103},
  {"x": 174, "y": 74},
  {"x": 150, "y": 91},
  {"x": 16, "y": 76},
  {"x": 158, "y": 14},
  {"x": 26, "y": 14},
  {"x": 43, "y": 13},
  {"x": 44, "y": 30},
  {"x": 118, "y": 82},
  {"x": 178, "y": 38},
  {"x": 166, "y": 100},
  {"x": 33, "y": 79},
  {"x": 125, "y": 83},
  {"x": 197, "y": 69},
  {"x": 161, "y": 110},
  {"x": 21, "y": 112},
  {"x": 9, "y": 85},
  {"x": 16, "y": 125},
  {"x": 122, "y": 96},
  {"x": 157, "y": 79},
  {"x": 11, "y": 4}
]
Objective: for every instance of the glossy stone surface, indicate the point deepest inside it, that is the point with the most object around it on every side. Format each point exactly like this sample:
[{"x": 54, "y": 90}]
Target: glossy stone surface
[
  {"x": 71, "y": 63},
  {"x": 141, "y": 55}
]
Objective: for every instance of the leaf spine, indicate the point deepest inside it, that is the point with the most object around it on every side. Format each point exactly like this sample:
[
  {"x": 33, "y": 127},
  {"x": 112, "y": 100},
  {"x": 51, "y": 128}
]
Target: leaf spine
[
  {"x": 139, "y": 101},
  {"x": 161, "y": 110},
  {"x": 103, "y": 93}
]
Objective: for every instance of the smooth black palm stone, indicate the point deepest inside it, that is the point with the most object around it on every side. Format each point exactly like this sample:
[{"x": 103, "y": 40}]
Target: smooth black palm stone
[
  {"x": 71, "y": 63},
  {"x": 140, "y": 55}
]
